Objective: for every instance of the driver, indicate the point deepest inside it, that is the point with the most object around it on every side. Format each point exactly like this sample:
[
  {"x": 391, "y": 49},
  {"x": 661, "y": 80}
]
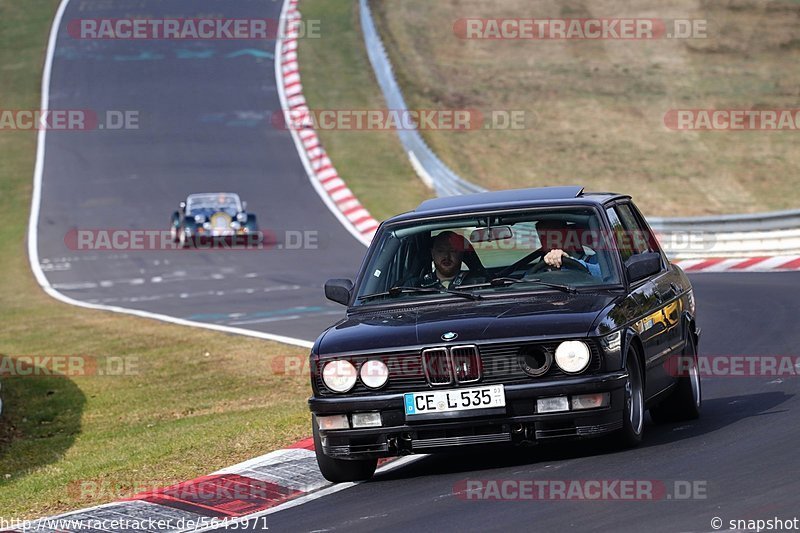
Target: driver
[
  {"x": 447, "y": 250},
  {"x": 557, "y": 243}
]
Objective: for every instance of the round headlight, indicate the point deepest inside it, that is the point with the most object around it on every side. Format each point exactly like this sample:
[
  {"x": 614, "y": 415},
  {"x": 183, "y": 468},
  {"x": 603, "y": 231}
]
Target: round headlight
[
  {"x": 199, "y": 219},
  {"x": 339, "y": 375},
  {"x": 573, "y": 356},
  {"x": 374, "y": 374}
]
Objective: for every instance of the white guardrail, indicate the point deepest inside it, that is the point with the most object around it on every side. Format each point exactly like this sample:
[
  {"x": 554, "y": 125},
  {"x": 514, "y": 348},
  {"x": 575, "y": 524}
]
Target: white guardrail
[{"x": 756, "y": 235}]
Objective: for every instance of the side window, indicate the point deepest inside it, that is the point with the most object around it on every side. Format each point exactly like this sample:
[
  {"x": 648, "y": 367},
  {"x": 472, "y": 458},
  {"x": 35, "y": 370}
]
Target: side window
[
  {"x": 622, "y": 242},
  {"x": 631, "y": 235},
  {"x": 638, "y": 235}
]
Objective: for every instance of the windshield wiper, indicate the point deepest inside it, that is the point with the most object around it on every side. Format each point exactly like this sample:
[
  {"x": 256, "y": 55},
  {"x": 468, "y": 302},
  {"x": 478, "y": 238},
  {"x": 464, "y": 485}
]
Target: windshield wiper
[
  {"x": 505, "y": 281},
  {"x": 397, "y": 291}
]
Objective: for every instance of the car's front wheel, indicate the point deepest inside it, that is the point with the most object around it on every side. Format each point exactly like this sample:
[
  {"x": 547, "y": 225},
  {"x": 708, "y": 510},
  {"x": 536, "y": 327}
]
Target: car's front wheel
[
  {"x": 184, "y": 241},
  {"x": 341, "y": 470},
  {"x": 684, "y": 401},
  {"x": 633, "y": 416}
]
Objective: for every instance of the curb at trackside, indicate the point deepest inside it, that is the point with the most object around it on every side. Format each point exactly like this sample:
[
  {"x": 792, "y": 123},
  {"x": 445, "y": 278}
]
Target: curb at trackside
[
  {"x": 741, "y": 264},
  {"x": 330, "y": 186},
  {"x": 238, "y": 494}
]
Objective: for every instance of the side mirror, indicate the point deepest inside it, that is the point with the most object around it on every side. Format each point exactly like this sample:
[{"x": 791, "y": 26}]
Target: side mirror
[
  {"x": 339, "y": 290},
  {"x": 244, "y": 206},
  {"x": 182, "y": 206},
  {"x": 641, "y": 266}
]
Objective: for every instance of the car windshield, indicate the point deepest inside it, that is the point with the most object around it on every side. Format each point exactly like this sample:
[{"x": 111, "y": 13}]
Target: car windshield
[
  {"x": 205, "y": 204},
  {"x": 490, "y": 254}
]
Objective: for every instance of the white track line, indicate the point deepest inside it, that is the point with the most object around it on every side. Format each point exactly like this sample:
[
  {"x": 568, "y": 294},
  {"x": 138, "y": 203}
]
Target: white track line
[{"x": 33, "y": 222}]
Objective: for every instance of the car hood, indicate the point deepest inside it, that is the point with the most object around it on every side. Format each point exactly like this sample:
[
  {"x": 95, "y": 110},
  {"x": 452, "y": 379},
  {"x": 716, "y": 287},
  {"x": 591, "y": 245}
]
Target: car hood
[{"x": 544, "y": 315}]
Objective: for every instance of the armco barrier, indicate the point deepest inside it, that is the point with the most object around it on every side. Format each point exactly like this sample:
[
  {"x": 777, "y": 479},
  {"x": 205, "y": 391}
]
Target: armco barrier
[
  {"x": 722, "y": 236},
  {"x": 430, "y": 168}
]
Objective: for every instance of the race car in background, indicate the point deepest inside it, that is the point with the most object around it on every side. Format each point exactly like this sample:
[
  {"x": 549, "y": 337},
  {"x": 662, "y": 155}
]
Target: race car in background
[{"x": 213, "y": 216}]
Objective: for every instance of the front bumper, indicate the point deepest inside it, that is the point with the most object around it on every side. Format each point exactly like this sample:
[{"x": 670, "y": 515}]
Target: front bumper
[{"x": 516, "y": 423}]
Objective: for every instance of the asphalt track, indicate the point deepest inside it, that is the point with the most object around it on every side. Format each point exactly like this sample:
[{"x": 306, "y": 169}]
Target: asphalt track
[
  {"x": 203, "y": 126},
  {"x": 742, "y": 451}
]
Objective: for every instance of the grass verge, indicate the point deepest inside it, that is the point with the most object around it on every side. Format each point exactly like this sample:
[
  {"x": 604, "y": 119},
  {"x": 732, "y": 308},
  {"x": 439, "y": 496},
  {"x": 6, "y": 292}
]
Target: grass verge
[
  {"x": 190, "y": 401},
  {"x": 595, "y": 109},
  {"x": 337, "y": 74}
]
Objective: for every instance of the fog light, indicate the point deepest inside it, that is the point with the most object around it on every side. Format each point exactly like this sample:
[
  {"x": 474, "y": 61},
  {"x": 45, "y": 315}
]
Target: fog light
[
  {"x": 590, "y": 401},
  {"x": 552, "y": 405},
  {"x": 327, "y": 423},
  {"x": 367, "y": 420}
]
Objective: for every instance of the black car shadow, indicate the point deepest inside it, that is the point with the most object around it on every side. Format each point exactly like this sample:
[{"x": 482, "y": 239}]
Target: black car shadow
[
  {"x": 40, "y": 421},
  {"x": 717, "y": 413}
]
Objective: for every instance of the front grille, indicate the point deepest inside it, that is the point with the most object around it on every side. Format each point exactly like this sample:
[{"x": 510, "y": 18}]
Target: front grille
[
  {"x": 466, "y": 363},
  {"x": 436, "y": 363},
  {"x": 499, "y": 363}
]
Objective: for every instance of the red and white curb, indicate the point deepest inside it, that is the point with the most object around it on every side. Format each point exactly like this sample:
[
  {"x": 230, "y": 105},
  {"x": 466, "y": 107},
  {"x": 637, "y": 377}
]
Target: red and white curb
[
  {"x": 323, "y": 175},
  {"x": 741, "y": 264},
  {"x": 274, "y": 482}
]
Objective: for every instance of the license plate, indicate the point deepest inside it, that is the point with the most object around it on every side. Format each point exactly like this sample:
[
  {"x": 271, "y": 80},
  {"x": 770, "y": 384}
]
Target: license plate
[{"x": 442, "y": 401}]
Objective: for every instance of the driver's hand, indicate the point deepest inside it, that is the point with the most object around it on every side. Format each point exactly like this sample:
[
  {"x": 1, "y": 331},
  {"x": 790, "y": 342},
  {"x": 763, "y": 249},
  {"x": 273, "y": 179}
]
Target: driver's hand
[{"x": 553, "y": 258}]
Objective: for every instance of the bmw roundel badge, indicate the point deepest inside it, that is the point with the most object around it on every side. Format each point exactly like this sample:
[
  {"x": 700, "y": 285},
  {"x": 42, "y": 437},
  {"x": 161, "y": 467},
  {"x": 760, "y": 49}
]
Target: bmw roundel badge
[{"x": 450, "y": 336}]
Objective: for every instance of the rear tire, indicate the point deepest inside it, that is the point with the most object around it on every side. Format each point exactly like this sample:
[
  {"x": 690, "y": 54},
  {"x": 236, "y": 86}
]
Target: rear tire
[
  {"x": 341, "y": 470},
  {"x": 633, "y": 415},
  {"x": 685, "y": 400}
]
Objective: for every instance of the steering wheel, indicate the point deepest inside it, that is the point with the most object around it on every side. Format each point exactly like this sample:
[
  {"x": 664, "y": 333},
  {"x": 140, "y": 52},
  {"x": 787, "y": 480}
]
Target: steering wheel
[
  {"x": 566, "y": 262},
  {"x": 528, "y": 259}
]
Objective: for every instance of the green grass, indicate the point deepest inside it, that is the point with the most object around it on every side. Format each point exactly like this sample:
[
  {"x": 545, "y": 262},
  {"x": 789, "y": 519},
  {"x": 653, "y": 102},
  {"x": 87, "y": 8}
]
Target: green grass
[
  {"x": 336, "y": 74},
  {"x": 199, "y": 401},
  {"x": 595, "y": 109}
]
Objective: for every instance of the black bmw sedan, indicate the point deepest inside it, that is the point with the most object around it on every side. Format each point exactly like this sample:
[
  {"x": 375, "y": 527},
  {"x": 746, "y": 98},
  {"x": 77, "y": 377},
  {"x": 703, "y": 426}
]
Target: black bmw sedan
[{"x": 503, "y": 318}]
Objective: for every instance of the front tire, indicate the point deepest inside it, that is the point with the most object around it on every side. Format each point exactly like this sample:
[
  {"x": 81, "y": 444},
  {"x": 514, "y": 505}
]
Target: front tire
[
  {"x": 633, "y": 415},
  {"x": 183, "y": 240},
  {"x": 685, "y": 400},
  {"x": 341, "y": 470}
]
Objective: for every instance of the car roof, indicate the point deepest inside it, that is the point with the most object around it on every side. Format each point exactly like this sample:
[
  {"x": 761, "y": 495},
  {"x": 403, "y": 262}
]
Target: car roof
[
  {"x": 511, "y": 199},
  {"x": 198, "y": 194}
]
